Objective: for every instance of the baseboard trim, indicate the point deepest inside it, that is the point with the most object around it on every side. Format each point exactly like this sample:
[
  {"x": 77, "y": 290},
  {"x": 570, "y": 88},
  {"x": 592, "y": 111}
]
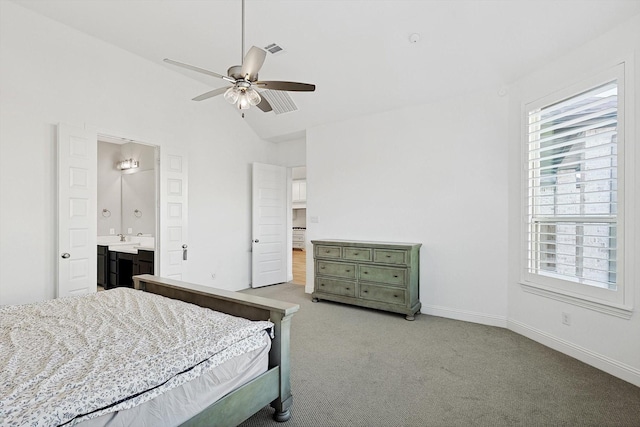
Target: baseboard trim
[
  {"x": 604, "y": 363},
  {"x": 464, "y": 315}
]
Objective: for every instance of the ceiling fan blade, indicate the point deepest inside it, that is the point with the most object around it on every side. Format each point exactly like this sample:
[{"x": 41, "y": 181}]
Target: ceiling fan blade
[
  {"x": 198, "y": 69},
  {"x": 288, "y": 86},
  {"x": 252, "y": 63},
  {"x": 211, "y": 93},
  {"x": 264, "y": 105}
]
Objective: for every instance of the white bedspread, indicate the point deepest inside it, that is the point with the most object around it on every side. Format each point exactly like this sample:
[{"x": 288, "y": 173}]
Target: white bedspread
[{"x": 77, "y": 358}]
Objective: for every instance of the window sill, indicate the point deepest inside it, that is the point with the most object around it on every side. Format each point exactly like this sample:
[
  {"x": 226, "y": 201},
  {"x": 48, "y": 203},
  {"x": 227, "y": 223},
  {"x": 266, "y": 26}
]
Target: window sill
[{"x": 623, "y": 312}]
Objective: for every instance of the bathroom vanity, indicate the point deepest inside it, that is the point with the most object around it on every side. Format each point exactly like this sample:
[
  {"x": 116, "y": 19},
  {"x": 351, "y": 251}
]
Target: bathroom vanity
[{"x": 118, "y": 262}]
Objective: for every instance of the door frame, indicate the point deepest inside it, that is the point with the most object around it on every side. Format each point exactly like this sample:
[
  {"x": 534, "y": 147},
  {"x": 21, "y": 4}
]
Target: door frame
[
  {"x": 116, "y": 138},
  {"x": 111, "y": 138}
]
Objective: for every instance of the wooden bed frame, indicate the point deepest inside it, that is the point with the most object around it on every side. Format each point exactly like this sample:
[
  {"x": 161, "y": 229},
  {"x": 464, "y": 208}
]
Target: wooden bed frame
[{"x": 272, "y": 387}]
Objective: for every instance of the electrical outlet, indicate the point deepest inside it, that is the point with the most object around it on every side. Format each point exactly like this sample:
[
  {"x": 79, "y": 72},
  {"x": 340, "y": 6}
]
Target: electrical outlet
[
  {"x": 213, "y": 276},
  {"x": 112, "y": 231},
  {"x": 566, "y": 318}
]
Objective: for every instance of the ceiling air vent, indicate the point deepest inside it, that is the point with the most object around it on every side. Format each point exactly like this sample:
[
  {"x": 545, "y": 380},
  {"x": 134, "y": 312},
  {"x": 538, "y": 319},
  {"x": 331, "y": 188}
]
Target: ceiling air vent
[
  {"x": 280, "y": 101},
  {"x": 274, "y": 48}
]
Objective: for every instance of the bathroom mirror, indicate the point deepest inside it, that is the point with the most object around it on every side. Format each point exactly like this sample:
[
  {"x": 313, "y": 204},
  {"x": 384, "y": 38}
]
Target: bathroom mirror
[
  {"x": 138, "y": 196},
  {"x": 126, "y": 197}
]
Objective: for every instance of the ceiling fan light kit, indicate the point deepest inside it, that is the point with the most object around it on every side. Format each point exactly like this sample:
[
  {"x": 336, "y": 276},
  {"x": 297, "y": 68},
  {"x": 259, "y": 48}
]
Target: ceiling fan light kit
[
  {"x": 243, "y": 78},
  {"x": 242, "y": 97}
]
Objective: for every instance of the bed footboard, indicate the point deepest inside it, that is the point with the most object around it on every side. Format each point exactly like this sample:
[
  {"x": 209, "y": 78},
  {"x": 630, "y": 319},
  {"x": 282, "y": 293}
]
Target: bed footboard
[{"x": 274, "y": 386}]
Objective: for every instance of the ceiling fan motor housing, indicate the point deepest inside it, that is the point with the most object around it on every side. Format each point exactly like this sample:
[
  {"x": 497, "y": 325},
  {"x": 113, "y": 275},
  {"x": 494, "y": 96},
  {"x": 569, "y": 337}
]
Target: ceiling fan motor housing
[{"x": 235, "y": 72}]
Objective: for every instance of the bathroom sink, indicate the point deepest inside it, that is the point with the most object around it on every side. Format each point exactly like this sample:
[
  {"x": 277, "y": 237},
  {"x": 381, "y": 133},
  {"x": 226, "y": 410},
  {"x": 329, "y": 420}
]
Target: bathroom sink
[
  {"x": 131, "y": 245},
  {"x": 126, "y": 247}
]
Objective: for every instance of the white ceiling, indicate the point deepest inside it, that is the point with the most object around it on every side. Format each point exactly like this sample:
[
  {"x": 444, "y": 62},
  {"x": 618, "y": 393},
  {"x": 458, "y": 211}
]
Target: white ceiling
[{"x": 357, "y": 52}]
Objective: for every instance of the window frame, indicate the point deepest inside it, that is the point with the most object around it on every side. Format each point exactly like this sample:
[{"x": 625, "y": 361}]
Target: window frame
[{"x": 618, "y": 302}]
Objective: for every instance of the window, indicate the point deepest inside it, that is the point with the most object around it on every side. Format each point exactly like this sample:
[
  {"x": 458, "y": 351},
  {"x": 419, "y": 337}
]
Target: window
[{"x": 573, "y": 205}]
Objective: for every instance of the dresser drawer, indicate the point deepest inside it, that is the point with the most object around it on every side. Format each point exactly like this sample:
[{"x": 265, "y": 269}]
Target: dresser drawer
[
  {"x": 386, "y": 275},
  {"x": 337, "y": 269},
  {"x": 336, "y": 287},
  {"x": 356, "y": 254},
  {"x": 386, "y": 294},
  {"x": 390, "y": 256},
  {"x": 328, "y": 252}
]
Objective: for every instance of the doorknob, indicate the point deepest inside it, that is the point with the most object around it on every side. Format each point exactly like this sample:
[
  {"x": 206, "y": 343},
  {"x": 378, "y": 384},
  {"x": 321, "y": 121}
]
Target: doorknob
[
  {"x": 66, "y": 255},
  {"x": 257, "y": 241},
  {"x": 184, "y": 252}
]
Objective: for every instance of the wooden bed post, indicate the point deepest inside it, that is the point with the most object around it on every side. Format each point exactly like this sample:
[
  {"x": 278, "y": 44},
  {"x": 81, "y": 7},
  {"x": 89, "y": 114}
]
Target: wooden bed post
[{"x": 280, "y": 356}]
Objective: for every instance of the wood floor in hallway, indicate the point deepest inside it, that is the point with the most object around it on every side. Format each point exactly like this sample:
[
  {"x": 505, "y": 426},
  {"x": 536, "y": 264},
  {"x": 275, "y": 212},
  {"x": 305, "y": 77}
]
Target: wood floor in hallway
[{"x": 299, "y": 267}]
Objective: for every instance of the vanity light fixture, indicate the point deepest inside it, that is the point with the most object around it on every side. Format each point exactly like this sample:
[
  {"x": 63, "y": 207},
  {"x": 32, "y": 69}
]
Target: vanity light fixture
[{"x": 127, "y": 164}]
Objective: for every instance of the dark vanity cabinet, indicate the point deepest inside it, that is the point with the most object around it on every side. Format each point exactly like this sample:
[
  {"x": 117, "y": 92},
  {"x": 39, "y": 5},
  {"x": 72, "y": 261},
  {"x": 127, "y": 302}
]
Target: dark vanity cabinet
[
  {"x": 103, "y": 270},
  {"x": 143, "y": 262},
  {"x": 120, "y": 269},
  {"x": 117, "y": 268}
]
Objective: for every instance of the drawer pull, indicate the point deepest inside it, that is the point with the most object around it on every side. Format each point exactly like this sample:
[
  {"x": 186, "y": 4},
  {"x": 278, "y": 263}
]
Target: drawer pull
[
  {"x": 327, "y": 251},
  {"x": 321, "y": 284},
  {"x": 395, "y": 296},
  {"x": 395, "y": 275},
  {"x": 355, "y": 253},
  {"x": 388, "y": 256},
  {"x": 365, "y": 272},
  {"x": 322, "y": 268},
  {"x": 347, "y": 288},
  {"x": 347, "y": 271},
  {"x": 365, "y": 292}
]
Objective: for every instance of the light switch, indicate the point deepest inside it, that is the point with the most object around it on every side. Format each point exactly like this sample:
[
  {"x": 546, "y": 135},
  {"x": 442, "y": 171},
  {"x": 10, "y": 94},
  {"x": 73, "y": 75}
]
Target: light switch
[
  {"x": 129, "y": 230},
  {"x": 112, "y": 231}
]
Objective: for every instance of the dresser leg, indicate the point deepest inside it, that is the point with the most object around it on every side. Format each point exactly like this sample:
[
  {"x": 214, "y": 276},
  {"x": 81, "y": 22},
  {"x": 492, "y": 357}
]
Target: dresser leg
[
  {"x": 314, "y": 299},
  {"x": 410, "y": 317}
]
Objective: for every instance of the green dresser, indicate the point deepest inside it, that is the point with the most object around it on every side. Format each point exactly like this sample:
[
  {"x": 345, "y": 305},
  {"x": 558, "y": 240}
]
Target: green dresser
[{"x": 385, "y": 276}]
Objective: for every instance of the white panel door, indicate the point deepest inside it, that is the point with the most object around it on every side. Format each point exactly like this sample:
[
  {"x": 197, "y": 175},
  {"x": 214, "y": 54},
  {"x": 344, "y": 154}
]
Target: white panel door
[
  {"x": 77, "y": 201},
  {"x": 173, "y": 214},
  {"x": 269, "y": 209}
]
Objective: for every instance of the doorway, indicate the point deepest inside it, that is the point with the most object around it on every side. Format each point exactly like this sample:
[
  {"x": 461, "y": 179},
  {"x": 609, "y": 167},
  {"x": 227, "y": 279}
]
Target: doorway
[
  {"x": 299, "y": 224},
  {"x": 127, "y": 188},
  {"x": 78, "y": 212}
]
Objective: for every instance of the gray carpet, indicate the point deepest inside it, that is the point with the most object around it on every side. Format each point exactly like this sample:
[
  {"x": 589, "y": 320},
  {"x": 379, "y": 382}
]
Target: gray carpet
[{"x": 359, "y": 367}]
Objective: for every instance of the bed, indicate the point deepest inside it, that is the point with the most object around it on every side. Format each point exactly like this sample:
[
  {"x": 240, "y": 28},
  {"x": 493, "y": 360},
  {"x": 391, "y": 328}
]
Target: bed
[{"x": 143, "y": 357}]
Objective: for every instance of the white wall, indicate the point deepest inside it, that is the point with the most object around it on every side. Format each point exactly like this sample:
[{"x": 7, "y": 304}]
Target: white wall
[
  {"x": 436, "y": 175},
  {"x": 50, "y": 74},
  {"x": 291, "y": 153},
  {"x": 605, "y": 341}
]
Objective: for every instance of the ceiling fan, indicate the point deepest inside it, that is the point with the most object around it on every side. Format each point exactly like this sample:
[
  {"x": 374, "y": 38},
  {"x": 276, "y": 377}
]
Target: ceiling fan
[{"x": 244, "y": 79}]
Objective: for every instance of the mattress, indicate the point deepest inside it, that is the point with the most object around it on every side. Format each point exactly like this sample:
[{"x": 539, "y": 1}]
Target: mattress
[
  {"x": 75, "y": 359},
  {"x": 178, "y": 405}
]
